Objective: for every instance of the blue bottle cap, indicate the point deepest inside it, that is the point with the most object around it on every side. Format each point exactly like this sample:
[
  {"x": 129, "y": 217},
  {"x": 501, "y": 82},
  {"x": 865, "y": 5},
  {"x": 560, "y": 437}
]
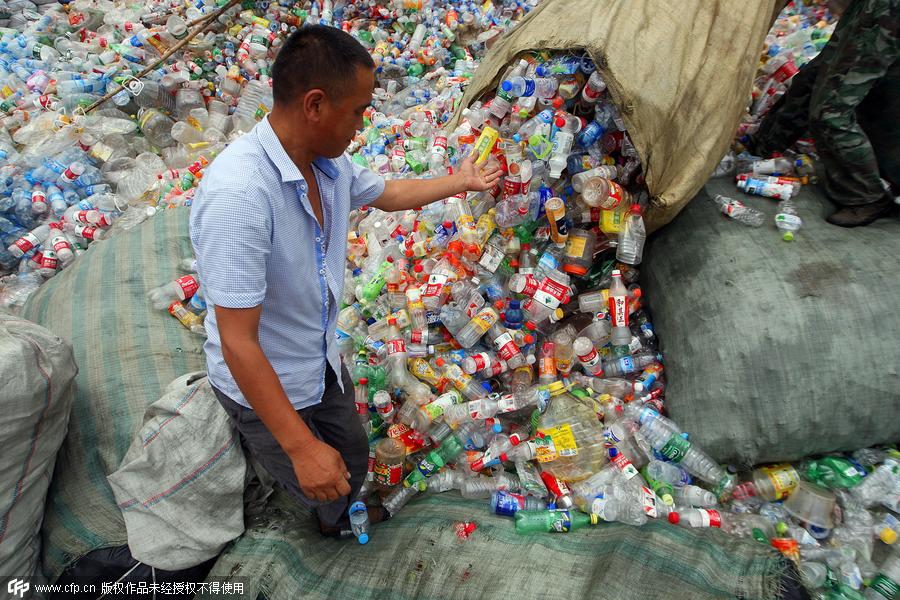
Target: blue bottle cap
[
  {"x": 487, "y": 386},
  {"x": 363, "y": 538},
  {"x": 506, "y": 85}
]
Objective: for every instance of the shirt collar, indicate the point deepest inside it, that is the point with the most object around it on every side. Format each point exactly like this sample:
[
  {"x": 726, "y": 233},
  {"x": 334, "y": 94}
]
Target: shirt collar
[{"x": 279, "y": 156}]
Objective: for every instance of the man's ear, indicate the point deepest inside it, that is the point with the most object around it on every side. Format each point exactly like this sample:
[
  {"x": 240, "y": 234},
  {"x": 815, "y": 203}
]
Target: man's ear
[{"x": 313, "y": 102}]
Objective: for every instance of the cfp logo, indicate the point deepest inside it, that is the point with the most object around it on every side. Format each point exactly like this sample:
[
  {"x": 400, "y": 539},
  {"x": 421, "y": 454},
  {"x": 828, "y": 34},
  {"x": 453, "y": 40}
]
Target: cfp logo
[
  {"x": 134, "y": 85},
  {"x": 18, "y": 587}
]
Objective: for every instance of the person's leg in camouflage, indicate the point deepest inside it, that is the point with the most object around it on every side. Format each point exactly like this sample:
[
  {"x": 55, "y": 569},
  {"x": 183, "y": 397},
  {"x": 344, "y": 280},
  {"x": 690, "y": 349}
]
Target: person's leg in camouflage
[
  {"x": 788, "y": 119},
  {"x": 879, "y": 115},
  {"x": 866, "y": 43}
]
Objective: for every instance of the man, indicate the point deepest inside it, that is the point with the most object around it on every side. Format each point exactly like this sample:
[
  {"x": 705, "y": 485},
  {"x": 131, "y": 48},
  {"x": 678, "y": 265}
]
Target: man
[
  {"x": 269, "y": 228},
  {"x": 849, "y": 99}
]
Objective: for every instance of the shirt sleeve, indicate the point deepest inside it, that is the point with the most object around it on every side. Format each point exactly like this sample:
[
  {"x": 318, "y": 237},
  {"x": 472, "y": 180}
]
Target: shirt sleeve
[
  {"x": 366, "y": 187},
  {"x": 232, "y": 238}
]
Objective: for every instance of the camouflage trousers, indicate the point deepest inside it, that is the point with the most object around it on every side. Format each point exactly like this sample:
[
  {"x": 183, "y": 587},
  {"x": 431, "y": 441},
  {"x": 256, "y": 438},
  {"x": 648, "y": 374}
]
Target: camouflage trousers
[{"x": 848, "y": 99}]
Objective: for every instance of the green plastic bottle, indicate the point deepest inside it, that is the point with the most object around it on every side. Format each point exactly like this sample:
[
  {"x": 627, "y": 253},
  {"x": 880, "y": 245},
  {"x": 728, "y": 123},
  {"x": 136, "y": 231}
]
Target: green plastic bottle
[
  {"x": 833, "y": 472},
  {"x": 553, "y": 521},
  {"x": 373, "y": 287}
]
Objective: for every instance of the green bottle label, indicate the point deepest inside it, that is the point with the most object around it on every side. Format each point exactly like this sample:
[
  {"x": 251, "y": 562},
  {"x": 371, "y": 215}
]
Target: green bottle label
[
  {"x": 562, "y": 522},
  {"x": 885, "y": 586},
  {"x": 675, "y": 448}
]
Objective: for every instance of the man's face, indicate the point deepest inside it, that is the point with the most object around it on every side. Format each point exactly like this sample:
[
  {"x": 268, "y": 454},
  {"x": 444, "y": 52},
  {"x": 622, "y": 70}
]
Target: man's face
[{"x": 342, "y": 117}]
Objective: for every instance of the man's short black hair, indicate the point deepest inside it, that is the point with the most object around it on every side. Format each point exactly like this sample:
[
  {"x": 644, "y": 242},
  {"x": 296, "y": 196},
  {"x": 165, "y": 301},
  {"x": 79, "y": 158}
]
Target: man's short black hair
[{"x": 316, "y": 56}]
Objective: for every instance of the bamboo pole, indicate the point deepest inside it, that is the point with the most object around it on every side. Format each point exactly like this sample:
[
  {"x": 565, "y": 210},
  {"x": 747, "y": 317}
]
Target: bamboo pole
[{"x": 202, "y": 24}]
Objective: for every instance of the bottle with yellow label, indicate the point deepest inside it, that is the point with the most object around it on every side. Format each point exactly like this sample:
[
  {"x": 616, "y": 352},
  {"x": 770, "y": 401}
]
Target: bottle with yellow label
[
  {"x": 613, "y": 220},
  {"x": 485, "y": 144},
  {"x": 477, "y": 327},
  {"x": 575, "y": 434}
]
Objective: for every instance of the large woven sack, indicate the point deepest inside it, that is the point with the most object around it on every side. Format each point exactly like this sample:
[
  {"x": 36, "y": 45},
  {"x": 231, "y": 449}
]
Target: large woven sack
[
  {"x": 776, "y": 350},
  {"x": 419, "y": 554},
  {"x": 680, "y": 71},
  {"x": 127, "y": 354},
  {"x": 181, "y": 483},
  {"x": 36, "y": 372}
]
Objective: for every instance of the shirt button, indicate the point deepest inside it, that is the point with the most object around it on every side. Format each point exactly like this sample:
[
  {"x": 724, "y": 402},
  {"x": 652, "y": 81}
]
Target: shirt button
[
  {"x": 318, "y": 239},
  {"x": 321, "y": 271}
]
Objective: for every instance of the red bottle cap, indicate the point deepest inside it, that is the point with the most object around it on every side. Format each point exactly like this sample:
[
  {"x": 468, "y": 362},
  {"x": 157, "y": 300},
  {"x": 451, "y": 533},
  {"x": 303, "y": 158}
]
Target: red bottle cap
[
  {"x": 674, "y": 518},
  {"x": 363, "y": 381}
]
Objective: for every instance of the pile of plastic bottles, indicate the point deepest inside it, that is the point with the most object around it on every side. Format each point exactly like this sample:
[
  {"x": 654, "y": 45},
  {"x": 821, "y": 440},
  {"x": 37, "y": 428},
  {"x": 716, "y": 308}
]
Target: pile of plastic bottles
[
  {"x": 798, "y": 35},
  {"x": 74, "y": 171}
]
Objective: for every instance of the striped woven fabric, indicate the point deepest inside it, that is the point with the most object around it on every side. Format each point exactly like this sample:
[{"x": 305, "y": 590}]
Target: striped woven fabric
[
  {"x": 417, "y": 554},
  {"x": 127, "y": 353}
]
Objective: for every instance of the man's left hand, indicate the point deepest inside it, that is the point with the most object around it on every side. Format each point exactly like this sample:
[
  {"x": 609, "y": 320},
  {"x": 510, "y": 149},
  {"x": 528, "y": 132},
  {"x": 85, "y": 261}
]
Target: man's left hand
[{"x": 478, "y": 178}]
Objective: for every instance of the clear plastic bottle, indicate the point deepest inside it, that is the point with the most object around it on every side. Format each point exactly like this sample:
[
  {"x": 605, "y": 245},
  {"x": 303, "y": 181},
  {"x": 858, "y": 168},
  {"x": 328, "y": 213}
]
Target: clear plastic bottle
[
  {"x": 666, "y": 437},
  {"x": 156, "y": 127},
  {"x": 564, "y": 351},
  {"x": 773, "y": 166},
  {"x": 180, "y": 289},
  {"x": 694, "y": 496},
  {"x": 618, "y": 311},
  {"x": 632, "y": 237},
  {"x": 736, "y": 210},
  {"x": 588, "y": 356},
  {"x": 668, "y": 472},
  {"x": 390, "y": 454},
  {"x": 621, "y": 504},
  {"x": 769, "y": 483},
  {"x": 787, "y": 221},
  {"x": 384, "y": 406},
  {"x": 359, "y": 521},
  {"x": 30, "y": 240},
  {"x": 575, "y": 432},
  {"x": 446, "y": 480},
  {"x": 401, "y": 496},
  {"x": 507, "y": 350},
  {"x": 878, "y": 484},
  {"x": 425, "y": 415},
  {"x": 741, "y": 525},
  {"x": 462, "y": 382},
  {"x": 603, "y": 192}
]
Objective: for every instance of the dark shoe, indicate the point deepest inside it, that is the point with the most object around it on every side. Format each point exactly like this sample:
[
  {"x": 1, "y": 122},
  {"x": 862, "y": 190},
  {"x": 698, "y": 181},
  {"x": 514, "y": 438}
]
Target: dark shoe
[{"x": 859, "y": 216}]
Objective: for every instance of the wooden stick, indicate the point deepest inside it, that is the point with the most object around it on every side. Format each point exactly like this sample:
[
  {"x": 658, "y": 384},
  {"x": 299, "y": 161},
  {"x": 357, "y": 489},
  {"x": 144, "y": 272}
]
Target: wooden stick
[{"x": 203, "y": 22}]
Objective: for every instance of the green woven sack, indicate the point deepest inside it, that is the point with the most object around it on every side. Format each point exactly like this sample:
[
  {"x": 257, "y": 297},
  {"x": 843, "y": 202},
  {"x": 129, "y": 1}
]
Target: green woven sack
[
  {"x": 777, "y": 350},
  {"x": 418, "y": 554},
  {"x": 127, "y": 353}
]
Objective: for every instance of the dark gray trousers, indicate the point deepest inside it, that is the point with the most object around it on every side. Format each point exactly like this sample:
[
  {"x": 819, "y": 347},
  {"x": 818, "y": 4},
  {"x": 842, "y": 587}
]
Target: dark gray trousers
[{"x": 334, "y": 421}]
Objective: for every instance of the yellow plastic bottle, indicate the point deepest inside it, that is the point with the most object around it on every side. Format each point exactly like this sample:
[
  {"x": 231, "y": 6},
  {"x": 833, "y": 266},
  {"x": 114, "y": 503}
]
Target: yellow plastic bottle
[{"x": 576, "y": 449}]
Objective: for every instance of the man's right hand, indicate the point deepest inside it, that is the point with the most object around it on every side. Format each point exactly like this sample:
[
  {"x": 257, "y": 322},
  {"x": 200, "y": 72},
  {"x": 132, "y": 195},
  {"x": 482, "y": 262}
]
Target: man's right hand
[{"x": 320, "y": 471}]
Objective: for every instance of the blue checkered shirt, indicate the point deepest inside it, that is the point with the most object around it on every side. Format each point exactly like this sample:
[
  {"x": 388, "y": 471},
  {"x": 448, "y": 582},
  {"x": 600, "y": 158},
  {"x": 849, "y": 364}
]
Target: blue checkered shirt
[{"x": 257, "y": 242}]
